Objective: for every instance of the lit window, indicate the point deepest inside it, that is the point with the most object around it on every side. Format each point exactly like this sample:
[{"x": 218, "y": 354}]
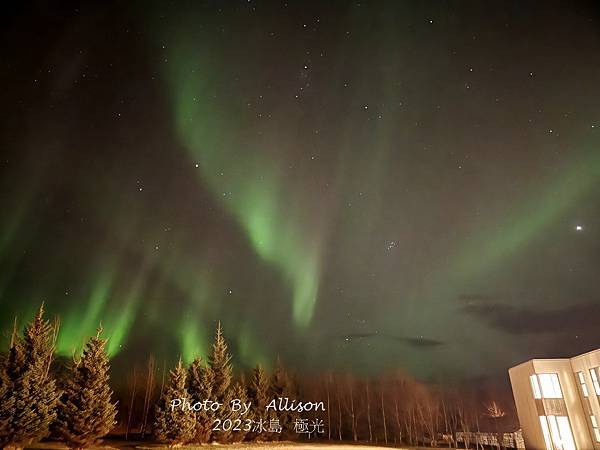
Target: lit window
[
  {"x": 535, "y": 386},
  {"x": 549, "y": 385},
  {"x": 594, "y": 374},
  {"x": 546, "y": 432},
  {"x": 554, "y": 432},
  {"x": 557, "y": 432},
  {"x": 595, "y": 427},
  {"x": 565, "y": 433},
  {"x": 584, "y": 388}
]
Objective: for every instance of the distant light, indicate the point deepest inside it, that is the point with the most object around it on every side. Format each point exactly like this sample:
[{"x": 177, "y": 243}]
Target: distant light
[{"x": 579, "y": 228}]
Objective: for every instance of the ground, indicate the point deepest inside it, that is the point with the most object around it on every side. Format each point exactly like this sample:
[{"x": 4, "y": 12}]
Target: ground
[{"x": 131, "y": 445}]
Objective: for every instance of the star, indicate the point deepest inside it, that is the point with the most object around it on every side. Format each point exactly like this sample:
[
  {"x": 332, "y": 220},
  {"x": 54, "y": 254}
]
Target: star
[{"x": 579, "y": 228}]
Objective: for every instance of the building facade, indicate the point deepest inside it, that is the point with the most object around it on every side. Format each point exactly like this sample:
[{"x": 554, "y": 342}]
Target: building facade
[{"x": 558, "y": 402}]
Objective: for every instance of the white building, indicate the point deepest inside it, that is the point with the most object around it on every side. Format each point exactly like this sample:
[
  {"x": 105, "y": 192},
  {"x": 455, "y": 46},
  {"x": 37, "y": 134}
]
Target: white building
[{"x": 558, "y": 402}]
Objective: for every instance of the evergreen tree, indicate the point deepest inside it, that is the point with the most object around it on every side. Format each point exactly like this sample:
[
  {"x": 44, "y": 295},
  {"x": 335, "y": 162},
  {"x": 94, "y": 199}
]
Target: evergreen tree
[
  {"x": 258, "y": 390},
  {"x": 258, "y": 394},
  {"x": 200, "y": 383},
  {"x": 7, "y": 403},
  {"x": 221, "y": 375},
  {"x": 28, "y": 392},
  {"x": 174, "y": 425},
  {"x": 282, "y": 385},
  {"x": 219, "y": 362},
  {"x": 85, "y": 411},
  {"x": 239, "y": 392}
]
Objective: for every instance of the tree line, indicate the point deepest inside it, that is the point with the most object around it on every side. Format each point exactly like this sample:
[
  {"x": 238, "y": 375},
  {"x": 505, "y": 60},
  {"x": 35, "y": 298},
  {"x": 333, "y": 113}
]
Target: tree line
[
  {"x": 77, "y": 405},
  {"x": 214, "y": 381},
  {"x": 394, "y": 408}
]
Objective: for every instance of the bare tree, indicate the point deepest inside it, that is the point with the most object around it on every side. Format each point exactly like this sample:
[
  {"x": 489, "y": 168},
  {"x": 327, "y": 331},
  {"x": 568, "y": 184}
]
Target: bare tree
[
  {"x": 428, "y": 411},
  {"x": 451, "y": 408},
  {"x": 495, "y": 412},
  {"x": 327, "y": 380},
  {"x": 397, "y": 417},
  {"x": 339, "y": 407},
  {"x": 351, "y": 409},
  {"x": 477, "y": 431},
  {"x": 151, "y": 369},
  {"x": 133, "y": 381},
  {"x": 369, "y": 410},
  {"x": 385, "y": 436}
]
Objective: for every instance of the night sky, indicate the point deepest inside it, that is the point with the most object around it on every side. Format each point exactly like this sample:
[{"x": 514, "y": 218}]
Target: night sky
[{"x": 356, "y": 185}]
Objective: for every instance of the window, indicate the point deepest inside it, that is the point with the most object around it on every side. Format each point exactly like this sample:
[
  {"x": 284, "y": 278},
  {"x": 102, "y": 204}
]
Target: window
[
  {"x": 595, "y": 427},
  {"x": 584, "y": 388},
  {"x": 595, "y": 374},
  {"x": 535, "y": 386},
  {"x": 546, "y": 432},
  {"x": 550, "y": 385},
  {"x": 557, "y": 433},
  {"x": 565, "y": 433},
  {"x": 545, "y": 385}
]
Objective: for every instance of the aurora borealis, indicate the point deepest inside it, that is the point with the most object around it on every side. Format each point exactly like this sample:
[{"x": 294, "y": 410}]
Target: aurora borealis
[{"x": 356, "y": 185}]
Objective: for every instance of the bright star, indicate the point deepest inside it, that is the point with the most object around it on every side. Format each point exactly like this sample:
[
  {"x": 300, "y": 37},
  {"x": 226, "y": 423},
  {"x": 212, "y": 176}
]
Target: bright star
[{"x": 579, "y": 228}]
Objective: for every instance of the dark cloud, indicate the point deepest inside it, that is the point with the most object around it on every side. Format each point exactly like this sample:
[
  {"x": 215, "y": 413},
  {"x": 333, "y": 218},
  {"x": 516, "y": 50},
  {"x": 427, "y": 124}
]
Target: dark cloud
[
  {"x": 419, "y": 342},
  {"x": 361, "y": 335},
  {"x": 475, "y": 298},
  {"x": 575, "y": 318}
]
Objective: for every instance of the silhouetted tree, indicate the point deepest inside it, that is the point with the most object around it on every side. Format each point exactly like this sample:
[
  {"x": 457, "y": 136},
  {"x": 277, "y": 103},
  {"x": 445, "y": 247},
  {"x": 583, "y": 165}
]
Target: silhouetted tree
[{"x": 85, "y": 410}]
